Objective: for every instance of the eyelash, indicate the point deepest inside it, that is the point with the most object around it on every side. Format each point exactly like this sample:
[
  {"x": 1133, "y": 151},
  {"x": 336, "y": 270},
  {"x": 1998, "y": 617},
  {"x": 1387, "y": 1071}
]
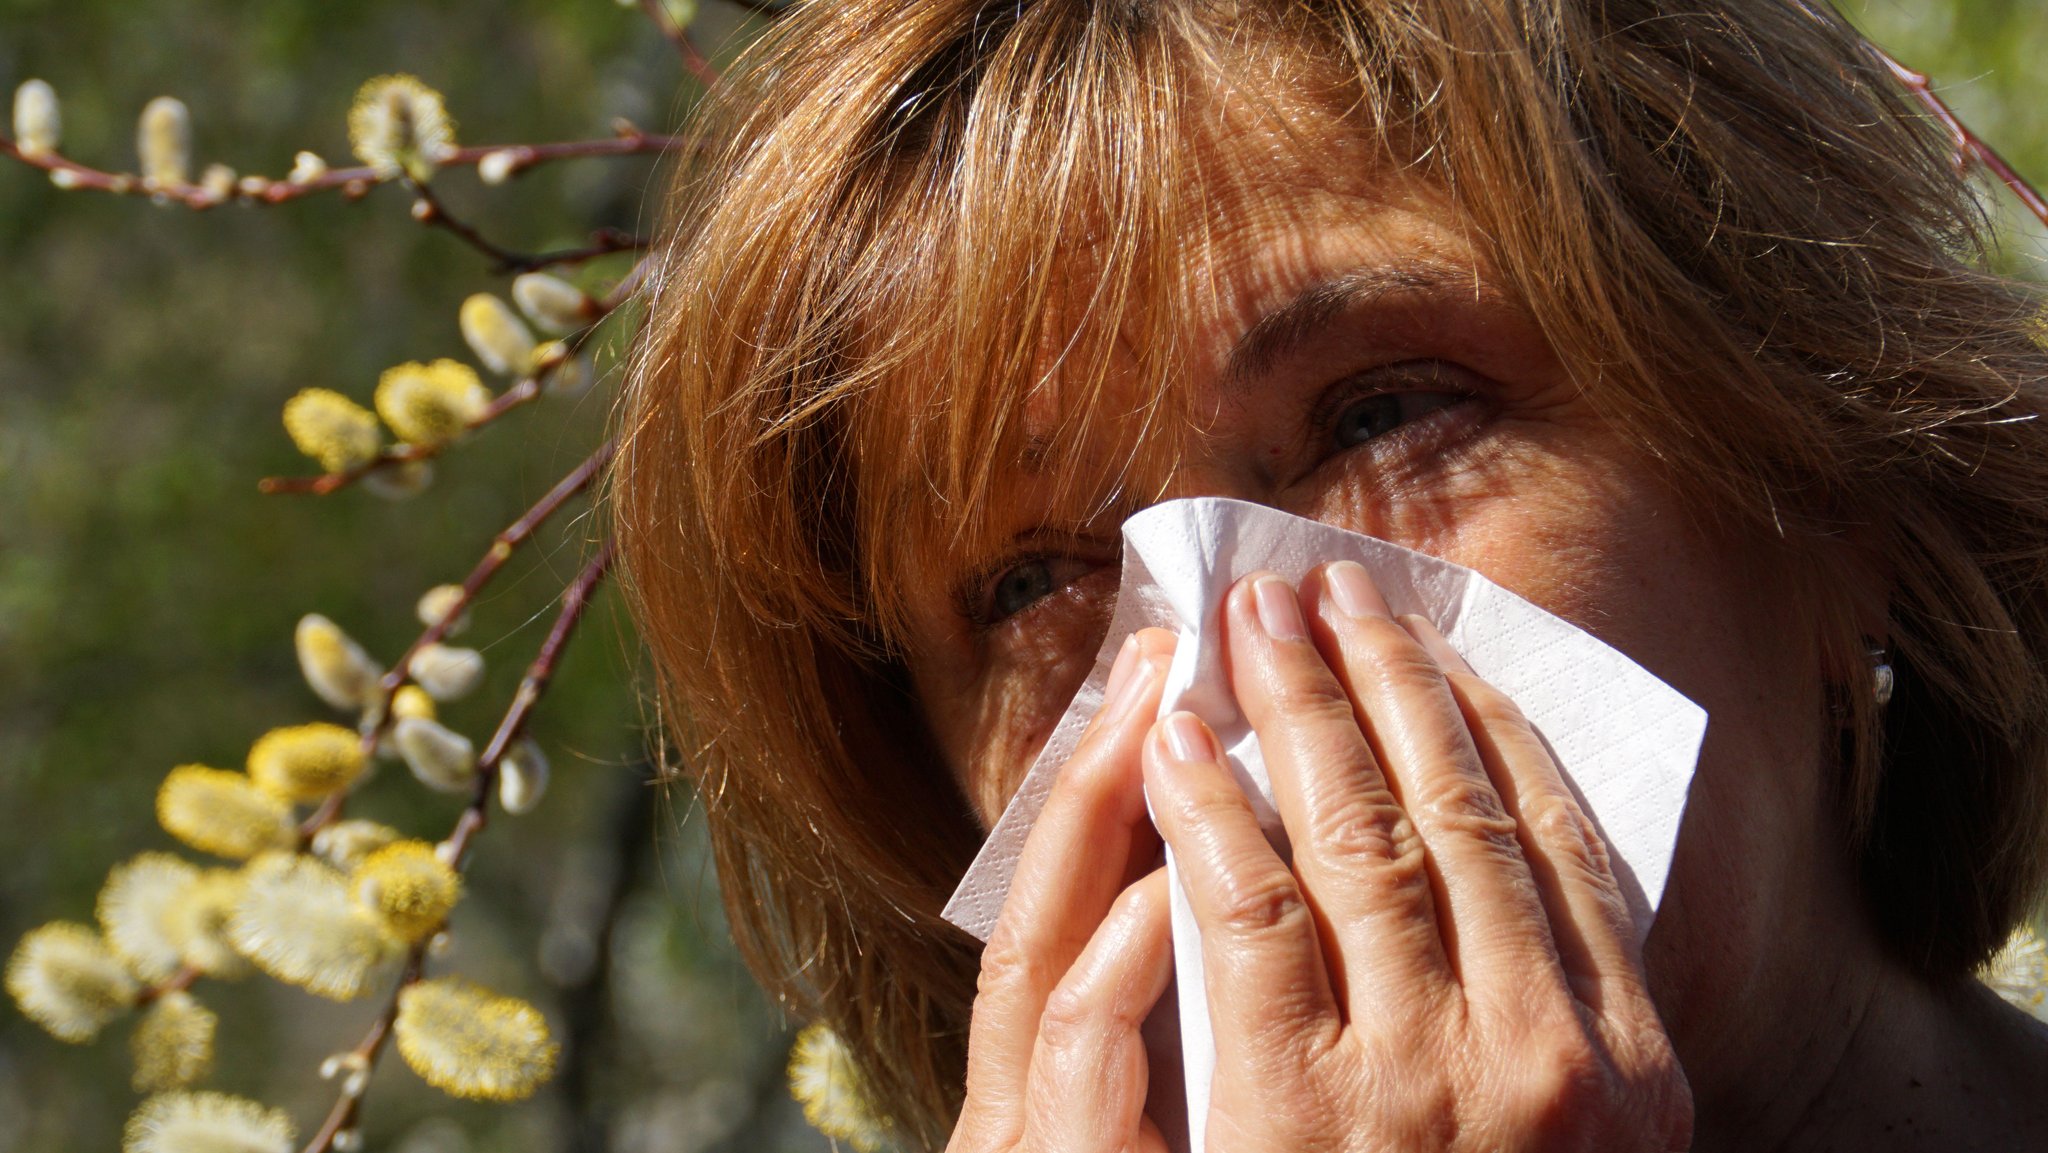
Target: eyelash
[{"x": 1404, "y": 378}]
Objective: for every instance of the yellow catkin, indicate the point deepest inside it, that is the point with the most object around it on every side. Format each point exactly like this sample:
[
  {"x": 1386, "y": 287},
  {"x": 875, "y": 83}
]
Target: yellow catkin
[
  {"x": 222, "y": 812},
  {"x": 134, "y": 912},
  {"x": 198, "y": 921},
  {"x": 399, "y": 125},
  {"x": 173, "y": 1043},
  {"x": 412, "y": 702},
  {"x": 824, "y": 1080},
  {"x": 335, "y": 431},
  {"x": 470, "y": 1042},
  {"x": 306, "y": 762},
  {"x": 297, "y": 922},
  {"x": 408, "y": 888},
  {"x": 184, "y": 1121},
  {"x": 431, "y": 404},
  {"x": 66, "y": 979}
]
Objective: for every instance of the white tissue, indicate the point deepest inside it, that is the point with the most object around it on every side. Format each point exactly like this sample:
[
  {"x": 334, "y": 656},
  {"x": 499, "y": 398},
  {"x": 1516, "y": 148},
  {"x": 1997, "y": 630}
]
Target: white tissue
[{"x": 1626, "y": 741}]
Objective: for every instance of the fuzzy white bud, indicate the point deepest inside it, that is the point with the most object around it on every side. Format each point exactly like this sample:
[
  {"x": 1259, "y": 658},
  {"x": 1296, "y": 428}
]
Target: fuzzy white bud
[
  {"x": 447, "y": 672},
  {"x": 306, "y": 168},
  {"x": 551, "y": 303},
  {"x": 522, "y": 777},
  {"x": 437, "y": 602},
  {"x": 163, "y": 142},
  {"x": 38, "y": 124},
  {"x": 335, "y": 666},
  {"x": 497, "y": 166},
  {"x": 496, "y": 334},
  {"x": 443, "y": 759}
]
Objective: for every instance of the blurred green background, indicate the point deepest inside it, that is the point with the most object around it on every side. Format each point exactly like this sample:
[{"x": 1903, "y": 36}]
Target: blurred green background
[{"x": 148, "y": 593}]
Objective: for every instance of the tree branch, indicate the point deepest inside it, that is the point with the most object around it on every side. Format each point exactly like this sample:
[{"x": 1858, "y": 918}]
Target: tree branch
[
  {"x": 694, "y": 60},
  {"x": 1969, "y": 146}
]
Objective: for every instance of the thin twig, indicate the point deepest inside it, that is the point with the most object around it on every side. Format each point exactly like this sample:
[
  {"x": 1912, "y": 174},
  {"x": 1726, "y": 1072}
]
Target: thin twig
[
  {"x": 1969, "y": 146},
  {"x": 348, "y": 1106},
  {"x": 694, "y": 60},
  {"x": 532, "y": 687},
  {"x": 502, "y": 547},
  {"x": 352, "y": 183},
  {"x": 186, "y": 976}
]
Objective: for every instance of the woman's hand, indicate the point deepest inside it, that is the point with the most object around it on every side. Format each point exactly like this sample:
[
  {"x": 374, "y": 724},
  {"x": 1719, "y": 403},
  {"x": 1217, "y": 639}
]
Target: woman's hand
[
  {"x": 1448, "y": 964},
  {"x": 1082, "y": 950}
]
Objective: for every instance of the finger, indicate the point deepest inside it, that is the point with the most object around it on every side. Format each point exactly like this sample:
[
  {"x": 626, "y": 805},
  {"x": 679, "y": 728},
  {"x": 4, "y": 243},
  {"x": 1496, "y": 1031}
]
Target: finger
[
  {"x": 1492, "y": 920},
  {"x": 1589, "y": 916},
  {"x": 1089, "y": 1073},
  {"x": 1269, "y": 992},
  {"x": 1095, "y": 814},
  {"x": 1362, "y": 863}
]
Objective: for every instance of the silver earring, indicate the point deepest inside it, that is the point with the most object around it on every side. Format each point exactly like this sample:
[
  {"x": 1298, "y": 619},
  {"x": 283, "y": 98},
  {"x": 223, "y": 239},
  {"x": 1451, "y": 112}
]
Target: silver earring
[{"x": 1881, "y": 676}]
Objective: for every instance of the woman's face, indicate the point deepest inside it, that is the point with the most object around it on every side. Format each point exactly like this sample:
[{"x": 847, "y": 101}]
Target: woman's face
[{"x": 1364, "y": 366}]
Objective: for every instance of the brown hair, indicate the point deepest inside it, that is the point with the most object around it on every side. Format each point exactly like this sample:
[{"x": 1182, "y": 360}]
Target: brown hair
[{"x": 1722, "y": 216}]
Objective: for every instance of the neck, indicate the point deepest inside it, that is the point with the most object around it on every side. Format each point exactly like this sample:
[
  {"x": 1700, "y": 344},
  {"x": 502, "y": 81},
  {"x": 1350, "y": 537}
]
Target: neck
[{"x": 1888, "y": 1061}]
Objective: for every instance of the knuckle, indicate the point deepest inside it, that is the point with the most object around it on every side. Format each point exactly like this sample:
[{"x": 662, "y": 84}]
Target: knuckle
[
  {"x": 1074, "y": 1019},
  {"x": 1465, "y": 805},
  {"x": 1566, "y": 1085},
  {"x": 1264, "y": 901},
  {"x": 1007, "y": 966}
]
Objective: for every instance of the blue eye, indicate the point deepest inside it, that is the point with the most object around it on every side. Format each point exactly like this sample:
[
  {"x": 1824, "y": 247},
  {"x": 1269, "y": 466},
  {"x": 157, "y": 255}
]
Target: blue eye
[
  {"x": 1382, "y": 413},
  {"x": 1020, "y": 586}
]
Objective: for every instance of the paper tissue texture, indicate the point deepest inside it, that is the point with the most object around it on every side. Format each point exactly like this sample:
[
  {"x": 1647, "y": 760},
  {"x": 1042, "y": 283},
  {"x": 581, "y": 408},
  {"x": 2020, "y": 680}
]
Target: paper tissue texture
[{"x": 1626, "y": 741}]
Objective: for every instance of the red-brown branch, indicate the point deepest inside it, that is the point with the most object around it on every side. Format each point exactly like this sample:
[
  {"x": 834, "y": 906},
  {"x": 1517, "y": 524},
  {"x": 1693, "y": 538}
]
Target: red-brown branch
[
  {"x": 178, "y": 982},
  {"x": 694, "y": 60},
  {"x": 1969, "y": 146},
  {"x": 350, "y": 182},
  {"x": 532, "y": 686},
  {"x": 348, "y": 1106},
  {"x": 502, "y": 547}
]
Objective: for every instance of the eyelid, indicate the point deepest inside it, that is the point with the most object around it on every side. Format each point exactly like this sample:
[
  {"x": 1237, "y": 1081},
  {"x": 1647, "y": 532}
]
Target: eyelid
[
  {"x": 1451, "y": 379},
  {"x": 974, "y": 596}
]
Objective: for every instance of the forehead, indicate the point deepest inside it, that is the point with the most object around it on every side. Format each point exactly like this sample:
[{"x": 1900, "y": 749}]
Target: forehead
[{"x": 1271, "y": 212}]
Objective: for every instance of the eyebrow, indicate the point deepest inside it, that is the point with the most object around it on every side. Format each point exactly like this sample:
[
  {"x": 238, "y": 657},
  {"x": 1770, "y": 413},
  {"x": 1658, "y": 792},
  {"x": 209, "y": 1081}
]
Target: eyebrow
[{"x": 1282, "y": 332}]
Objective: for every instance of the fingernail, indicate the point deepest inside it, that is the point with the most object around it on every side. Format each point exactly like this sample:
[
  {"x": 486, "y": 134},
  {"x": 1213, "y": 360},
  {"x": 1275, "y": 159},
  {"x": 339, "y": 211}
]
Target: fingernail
[
  {"x": 1126, "y": 686},
  {"x": 1354, "y": 592},
  {"x": 1189, "y": 740},
  {"x": 1279, "y": 611},
  {"x": 1434, "y": 644}
]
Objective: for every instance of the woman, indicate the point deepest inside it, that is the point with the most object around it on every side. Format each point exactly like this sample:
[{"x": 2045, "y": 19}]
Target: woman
[{"x": 1665, "y": 320}]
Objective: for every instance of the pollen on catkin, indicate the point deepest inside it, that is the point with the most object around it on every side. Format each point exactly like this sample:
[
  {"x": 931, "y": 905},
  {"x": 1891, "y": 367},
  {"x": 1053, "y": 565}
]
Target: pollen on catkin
[
  {"x": 400, "y": 126},
  {"x": 197, "y": 920},
  {"x": 824, "y": 1080},
  {"x": 66, "y": 979},
  {"x": 496, "y": 334},
  {"x": 222, "y": 812},
  {"x": 337, "y": 669},
  {"x": 433, "y": 403},
  {"x": 134, "y": 912},
  {"x": 184, "y": 1121},
  {"x": 470, "y": 1042},
  {"x": 306, "y": 762},
  {"x": 408, "y": 888},
  {"x": 173, "y": 1043},
  {"x": 336, "y": 432},
  {"x": 297, "y": 922}
]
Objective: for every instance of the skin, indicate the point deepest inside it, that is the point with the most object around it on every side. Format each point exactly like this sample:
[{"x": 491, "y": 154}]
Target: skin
[{"x": 1447, "y": 966}]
